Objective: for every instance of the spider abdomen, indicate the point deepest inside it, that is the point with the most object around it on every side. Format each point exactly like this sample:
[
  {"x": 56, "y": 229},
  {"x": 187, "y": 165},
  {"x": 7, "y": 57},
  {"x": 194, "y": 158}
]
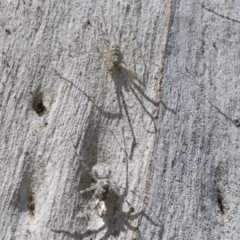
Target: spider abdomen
[
  {"x": 116, "y": 55},
  {"x": 104, "y": 193}
]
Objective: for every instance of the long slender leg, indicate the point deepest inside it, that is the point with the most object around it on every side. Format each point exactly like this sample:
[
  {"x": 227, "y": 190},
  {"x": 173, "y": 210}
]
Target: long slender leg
[
  {"x": 89, "y": 189},
  {"x": 104, "y": 74},
  {"x": 128, "y": 40},
  {"x": 106, "y": 41},
  {"x": 99, "y": 203},
  {"x": 145, "y": 60},
  {"x": 134, "y": 75},
  {"x": 98, "y": 52},
  {"x": 115, "y": 188},
  {"x": 84, "y": 165},
  {"x": 94, "y": 196},
  {"x": 102, "y": 206}
]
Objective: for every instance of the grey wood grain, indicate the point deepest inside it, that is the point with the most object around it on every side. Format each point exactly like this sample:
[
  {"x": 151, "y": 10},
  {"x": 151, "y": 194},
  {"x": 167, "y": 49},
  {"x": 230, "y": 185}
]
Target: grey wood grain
[
  {"x": 63, "y": 107},
  {"x": 194, "y": 188}
]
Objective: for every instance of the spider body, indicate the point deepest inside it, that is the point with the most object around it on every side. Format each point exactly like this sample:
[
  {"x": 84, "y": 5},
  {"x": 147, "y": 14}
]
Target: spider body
[
  {"x": 101, "y": 173},
  {"x": 103, "y": 191},
  {"x": 115, "y": 53}
]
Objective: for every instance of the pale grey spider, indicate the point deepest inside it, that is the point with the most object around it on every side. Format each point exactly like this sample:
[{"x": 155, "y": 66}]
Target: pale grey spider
[{"x": 101, "y": 173}]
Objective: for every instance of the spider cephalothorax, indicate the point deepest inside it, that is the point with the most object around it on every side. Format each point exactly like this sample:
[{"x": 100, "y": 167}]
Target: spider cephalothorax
[
  {"x": 101, "y": 173},
  {"x": 115, "y": 54}
]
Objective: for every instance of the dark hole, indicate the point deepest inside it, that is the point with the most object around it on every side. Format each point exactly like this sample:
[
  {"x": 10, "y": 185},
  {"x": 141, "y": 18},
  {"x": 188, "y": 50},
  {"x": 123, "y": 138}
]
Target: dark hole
[
  {"x": 236, "y": 122},
  {"x": 8, "y": 31},
  {"x": 131, "y": 210},
  {"x": 88, "y": 22},
  {"x": 220, "y": 203},
  {"x": 31, "y": 204},
  {"x": 38, "y": 105}
]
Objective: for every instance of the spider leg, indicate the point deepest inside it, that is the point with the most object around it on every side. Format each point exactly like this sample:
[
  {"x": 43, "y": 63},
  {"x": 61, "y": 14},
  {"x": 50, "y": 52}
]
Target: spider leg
[
  {"x": 106, "y": 41},
  {"x": 89, "y": 171},
  {"x": 89, "y": 189},
  {"x": 96, "y": 193},
  {"x": 135, "y": 77},
  {"x": 93, "y": 187},
  {"x": 84, "y": 52},
  {"x": 124, "y": 48},
  {"x": 115, "y": 188},
  {"x": 102, "y": 206},
  {"x": 145, "y": 60},
  {"x": 124, "y": 64}
]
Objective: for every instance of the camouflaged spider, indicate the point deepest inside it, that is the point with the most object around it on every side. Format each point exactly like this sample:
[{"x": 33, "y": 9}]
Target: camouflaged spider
[
  {"x": 113, "y": 54},
  {"x": 101, "y": 173}
]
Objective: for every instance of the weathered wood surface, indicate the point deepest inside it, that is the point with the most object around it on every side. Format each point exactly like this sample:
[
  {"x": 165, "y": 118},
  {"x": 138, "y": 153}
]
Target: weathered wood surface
[
  {"x": 99, "y": 113},
  {"x": 195, "y": 185},
  {"x": 193, "y": 190}
]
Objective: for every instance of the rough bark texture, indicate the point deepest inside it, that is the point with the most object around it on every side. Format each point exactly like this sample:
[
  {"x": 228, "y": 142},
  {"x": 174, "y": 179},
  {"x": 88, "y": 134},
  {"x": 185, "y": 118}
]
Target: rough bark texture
[
  {"x": 195, "y": 184},
  {"x": 64, "y": 106}
]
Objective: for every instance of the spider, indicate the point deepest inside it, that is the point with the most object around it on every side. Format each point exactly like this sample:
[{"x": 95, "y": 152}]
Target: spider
[
  {"x": 101, "y": 173},
  {"x": 114, "y": 223},
  {"x": 114, "y": 57},
  {"x": 109, "y": 199},
  {"x": 114, "y": 60}
]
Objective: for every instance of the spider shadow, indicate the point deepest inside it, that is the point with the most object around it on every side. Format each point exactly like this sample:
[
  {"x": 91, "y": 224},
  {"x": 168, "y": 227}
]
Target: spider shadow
[
  {"x": 100, "y": 109},
  {"x": 122, "y": 76},
  {"x": 115, "y": 221},
  {"x": 123, "y": 79},
  {"x": 127, "y": 81}
]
